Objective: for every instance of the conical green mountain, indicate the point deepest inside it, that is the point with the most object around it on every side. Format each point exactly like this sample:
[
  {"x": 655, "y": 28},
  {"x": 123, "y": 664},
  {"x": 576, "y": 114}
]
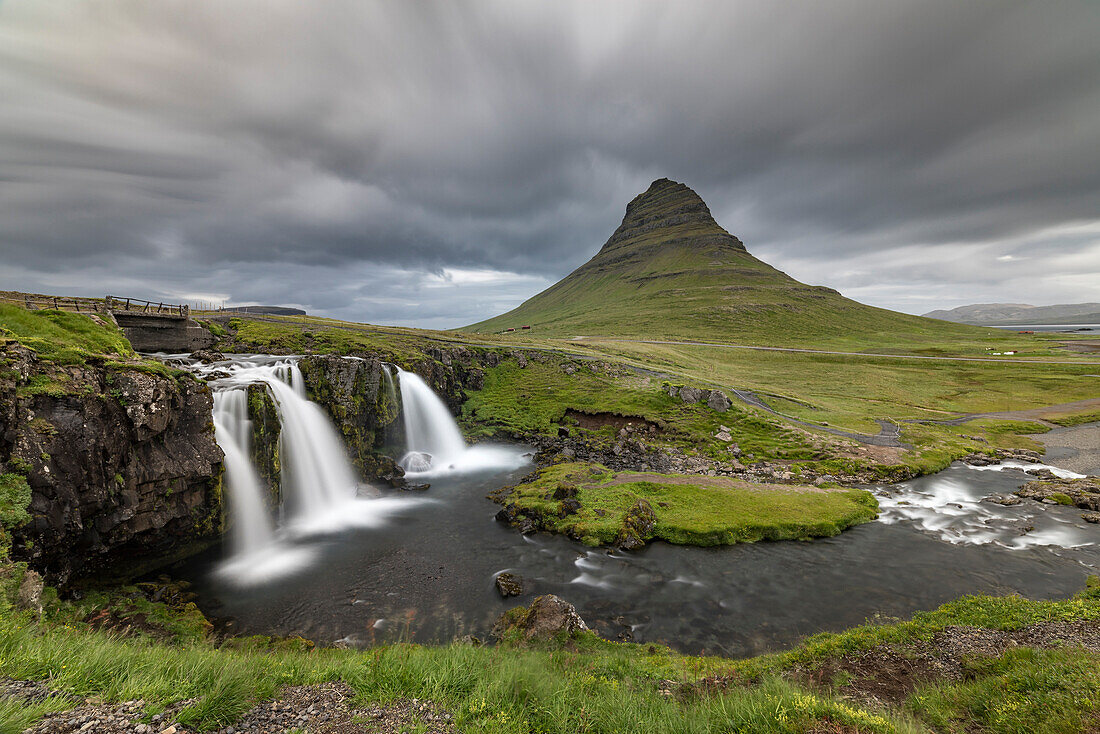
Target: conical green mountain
[{"x": 670, "y": 272}]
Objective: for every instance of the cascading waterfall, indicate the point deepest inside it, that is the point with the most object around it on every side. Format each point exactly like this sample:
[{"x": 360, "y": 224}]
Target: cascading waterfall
[
  {"x": 434, "y": 443},
  {"x": 316, "y": 474},
  {"x": 252, "y": 529},
  {"x": 320, "y": 487},
  {"x": 432, "y": 436}
]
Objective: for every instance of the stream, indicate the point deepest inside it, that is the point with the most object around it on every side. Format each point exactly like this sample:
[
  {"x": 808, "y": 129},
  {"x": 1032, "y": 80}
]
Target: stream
[{"x": 426, "y": 573}]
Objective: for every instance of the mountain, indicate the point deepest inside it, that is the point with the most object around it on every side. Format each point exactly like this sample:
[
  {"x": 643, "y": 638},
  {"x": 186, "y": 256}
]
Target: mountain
[
  {"x": 671, "y": 272},
  {"x": 1021, "y": 313}
]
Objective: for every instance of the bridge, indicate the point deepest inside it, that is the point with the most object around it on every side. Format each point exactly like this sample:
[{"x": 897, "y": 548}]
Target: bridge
[{"x": 151, "y": 326}]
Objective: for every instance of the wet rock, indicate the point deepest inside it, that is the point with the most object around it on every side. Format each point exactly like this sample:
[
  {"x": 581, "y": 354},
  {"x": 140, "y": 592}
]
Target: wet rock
[
  {"x": 1093, "y": 517},
  {"x": 1007, "y": 500},
  {"x": 1081, "y": 493},
  {"x": 509, "y": 584},
  {"x": 416, "y": 461},
  {"x": 127, "y": 473},
  {"x": 568, "y": 507},
  {"x": 207, "y": 356},
  {"x": 638, "y": 525},
  {"x": 475, "y": 379},
  {"x": 548, "y": 617}
]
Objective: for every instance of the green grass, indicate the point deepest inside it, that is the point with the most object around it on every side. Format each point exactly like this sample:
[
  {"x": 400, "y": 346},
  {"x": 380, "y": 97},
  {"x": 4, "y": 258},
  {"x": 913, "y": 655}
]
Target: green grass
[
  {"x": 303, "y": 334},
  {"x": 708, "y": 512},
  {"x": 60, "y": 336},
  {"x": 15, "y": 496},
  {"x": 535, "y": 399},
  {"x": 850, "y": 392},
  {"x": 1024, "y": 691},
  {"x": 1076, "y": 420},
  {"x": 587, "y": 685}
]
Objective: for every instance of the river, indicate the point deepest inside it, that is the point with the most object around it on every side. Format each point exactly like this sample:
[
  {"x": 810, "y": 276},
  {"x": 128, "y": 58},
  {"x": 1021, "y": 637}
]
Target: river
[{"x": 426, "y": 574}]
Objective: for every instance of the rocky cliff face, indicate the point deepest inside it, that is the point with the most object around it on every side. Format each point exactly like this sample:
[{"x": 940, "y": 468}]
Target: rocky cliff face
[
  {"x": 122, "y": 464},
  {"x": 354, "y": 393}
]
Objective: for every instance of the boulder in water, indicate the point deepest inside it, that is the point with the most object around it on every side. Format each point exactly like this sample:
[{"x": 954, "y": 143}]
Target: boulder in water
[
  {"x": 416, "y": 461},
  {"x": 509, "y": 584},
  {"x": 207, "y": 356}
]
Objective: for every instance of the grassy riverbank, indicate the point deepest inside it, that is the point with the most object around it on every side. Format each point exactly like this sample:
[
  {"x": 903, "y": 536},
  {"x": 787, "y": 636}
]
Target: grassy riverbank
[
  {"x": 686, "y": 510},
  {"x": 831, "y": 683}
]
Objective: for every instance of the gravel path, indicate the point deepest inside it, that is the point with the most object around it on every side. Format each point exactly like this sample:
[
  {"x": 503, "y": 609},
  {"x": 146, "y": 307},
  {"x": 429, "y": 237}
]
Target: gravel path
[{"x": 1076, "y": 448}]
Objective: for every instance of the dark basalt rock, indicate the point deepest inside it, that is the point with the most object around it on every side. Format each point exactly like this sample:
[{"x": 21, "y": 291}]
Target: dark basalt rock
[
  {"x": 122, "y": 465},
  {"x": 509, "y": 584},
  {"x": 569, "y": 507},
  {"x": 1007, "y": 500},
  {"x": 1082, "y": 493},
  {"x": 207, "y": 356}
]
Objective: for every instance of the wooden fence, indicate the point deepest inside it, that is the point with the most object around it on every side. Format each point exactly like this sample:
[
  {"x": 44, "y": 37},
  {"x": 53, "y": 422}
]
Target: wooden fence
[
  {"x": 149, "y": 308},
  {"x": 117, "y": 304},
  {"x": 37, "y": 302}
]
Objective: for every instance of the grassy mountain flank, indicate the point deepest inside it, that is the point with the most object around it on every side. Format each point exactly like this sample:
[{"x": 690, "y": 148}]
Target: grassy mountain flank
[{"x": 671, "y": 272}]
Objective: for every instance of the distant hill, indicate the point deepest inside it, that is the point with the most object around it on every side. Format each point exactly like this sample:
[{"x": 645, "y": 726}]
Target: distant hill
[
  {"x": 1003, "y": 314},
  {"x": 671, "y": 272},
  {"x": 268, "y": 310}
]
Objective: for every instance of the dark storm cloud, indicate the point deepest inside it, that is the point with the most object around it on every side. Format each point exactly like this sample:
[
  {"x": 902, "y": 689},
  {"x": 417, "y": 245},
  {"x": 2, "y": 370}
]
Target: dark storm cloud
[{"x": 433, "y": 163}]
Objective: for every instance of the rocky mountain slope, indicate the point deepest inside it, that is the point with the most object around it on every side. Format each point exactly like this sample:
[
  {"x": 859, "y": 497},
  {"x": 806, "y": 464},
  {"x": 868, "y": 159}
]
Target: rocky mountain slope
[{"x": 670, "y": 271}]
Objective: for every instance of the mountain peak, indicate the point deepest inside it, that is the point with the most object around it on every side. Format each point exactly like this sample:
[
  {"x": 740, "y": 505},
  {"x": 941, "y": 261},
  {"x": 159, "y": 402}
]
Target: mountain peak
[{"x": 668, "y": 212}]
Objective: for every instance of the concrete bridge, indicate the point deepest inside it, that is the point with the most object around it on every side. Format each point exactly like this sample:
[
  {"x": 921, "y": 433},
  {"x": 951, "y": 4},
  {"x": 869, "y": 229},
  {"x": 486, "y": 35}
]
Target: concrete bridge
[{"x": 153, "y": 326}]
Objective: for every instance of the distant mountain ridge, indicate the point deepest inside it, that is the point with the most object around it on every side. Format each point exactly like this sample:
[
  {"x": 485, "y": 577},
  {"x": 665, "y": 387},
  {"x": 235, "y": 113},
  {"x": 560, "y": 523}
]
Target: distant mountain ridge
[
  {"x": 669, "y": 271},
  {"x": 1020, "y": 313}
]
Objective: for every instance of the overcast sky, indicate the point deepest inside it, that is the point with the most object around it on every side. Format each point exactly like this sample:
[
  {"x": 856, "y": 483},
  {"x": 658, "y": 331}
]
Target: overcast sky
[{"x": 433, "y": 164}]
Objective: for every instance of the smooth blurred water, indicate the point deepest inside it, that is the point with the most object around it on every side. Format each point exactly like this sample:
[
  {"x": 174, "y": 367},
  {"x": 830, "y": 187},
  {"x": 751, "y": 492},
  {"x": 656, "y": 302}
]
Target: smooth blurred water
[{"x": 428, "y": 575}]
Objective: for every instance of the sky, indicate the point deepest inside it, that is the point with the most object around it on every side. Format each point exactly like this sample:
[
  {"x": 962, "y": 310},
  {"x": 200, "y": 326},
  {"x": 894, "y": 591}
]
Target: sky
[{"x": 436, "y": 163}]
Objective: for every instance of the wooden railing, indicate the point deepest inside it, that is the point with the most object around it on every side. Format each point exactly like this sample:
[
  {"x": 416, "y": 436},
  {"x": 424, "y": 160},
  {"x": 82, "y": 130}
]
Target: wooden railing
[
  {"x": 150, "y": 308},
  {"x": 37, "y": 302}
]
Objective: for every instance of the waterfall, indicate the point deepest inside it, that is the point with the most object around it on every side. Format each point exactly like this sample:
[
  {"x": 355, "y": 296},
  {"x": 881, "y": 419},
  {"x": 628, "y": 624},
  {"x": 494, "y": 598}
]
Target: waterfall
[
  {"x": 319, "y": 486},
  {"x": 432, "y": 436},
  {"x": 316, "y": 476},
  {"x": 252, "y": 529},
  {"x": 387, "y": 383},
  {"x": 435, "y": 445}
]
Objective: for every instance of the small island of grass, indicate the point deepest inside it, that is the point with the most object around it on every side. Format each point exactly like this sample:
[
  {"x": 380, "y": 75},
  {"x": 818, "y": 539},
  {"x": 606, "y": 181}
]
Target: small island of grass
[{"x": 600, "y": 507}]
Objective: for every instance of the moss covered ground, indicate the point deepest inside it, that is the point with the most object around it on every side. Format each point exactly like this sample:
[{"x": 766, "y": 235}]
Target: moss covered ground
[
  {"x": 689, "y": 510},
  {"x": 61, "y": 336}
]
